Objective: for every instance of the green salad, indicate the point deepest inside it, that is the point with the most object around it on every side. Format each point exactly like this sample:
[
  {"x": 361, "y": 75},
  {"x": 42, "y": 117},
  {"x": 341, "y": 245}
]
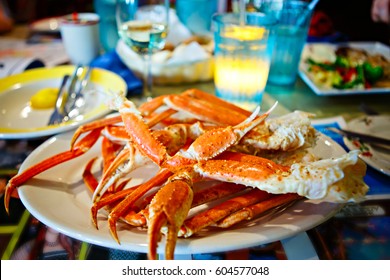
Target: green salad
[{"x": 350, "y": 69}]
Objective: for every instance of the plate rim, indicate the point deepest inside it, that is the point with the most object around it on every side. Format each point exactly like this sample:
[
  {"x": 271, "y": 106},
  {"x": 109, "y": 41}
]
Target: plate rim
[
  {"x": 184, "y": 246},
  {"x": 336, "y": 92},
  {"x": 45, "y": 73}
]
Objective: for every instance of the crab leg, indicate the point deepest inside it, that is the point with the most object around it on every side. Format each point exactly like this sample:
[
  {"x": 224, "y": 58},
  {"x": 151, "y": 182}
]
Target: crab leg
[
  {"x": 173, "y": 138},
  {"x": 152, "y": 121},
  {"x": 122, "y": 208},
  {"x": 139, "y": 131},
  {"x": 216, "y": 141},
  {"x": 122, "y": 185},
  {"x": 212, "y": 99},
  {"x": 251, "y": 212},
  {"x": 220, "y": 190},
  {"x": 205, "y": 111},
  {"x": 116, "y": 133},
  {"x": 108, "y": 154},
  {"x": 99, "y": 124},
  {"x": 109, "y": 150},
  {"x": 141, "y": 136},
  {"x": 136, "y": 219},
  {"x": 109, "y": 200},
  {"x": 169, "y": 207},
  {"x": 90, "y": 180},
  {"x": 214, "y": 214},
  {"x": 152, "y": 105},
  {"x": 127, "y": 160},
  {"x": 80, "y": 148},
  {"x": 202, "y": 105},
  {"x": 208, "y": 194}
]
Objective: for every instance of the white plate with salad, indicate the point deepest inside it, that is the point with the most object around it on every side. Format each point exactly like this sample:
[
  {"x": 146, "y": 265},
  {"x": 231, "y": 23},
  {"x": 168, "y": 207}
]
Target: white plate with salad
[{"x": 346, "y": 68}]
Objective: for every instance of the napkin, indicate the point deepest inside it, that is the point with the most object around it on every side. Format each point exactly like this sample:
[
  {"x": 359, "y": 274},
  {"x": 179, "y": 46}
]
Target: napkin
[
  {"x": 111, "y": 61},
  {"x": 188, "y": 53},
  {"x": 178, "y": 32}
]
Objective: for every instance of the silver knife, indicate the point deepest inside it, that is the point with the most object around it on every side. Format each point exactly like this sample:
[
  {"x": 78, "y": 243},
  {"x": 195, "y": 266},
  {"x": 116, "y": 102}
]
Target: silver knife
[
  {"x": 363, "y": 137},
  {"x": 58, "y": 115}
]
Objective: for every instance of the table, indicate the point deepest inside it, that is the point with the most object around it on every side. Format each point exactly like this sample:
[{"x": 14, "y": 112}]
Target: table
[{"x": 358, "y": 231}]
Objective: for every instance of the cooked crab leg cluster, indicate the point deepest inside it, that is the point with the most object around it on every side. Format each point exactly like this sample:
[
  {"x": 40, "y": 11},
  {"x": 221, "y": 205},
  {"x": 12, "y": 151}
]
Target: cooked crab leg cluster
[{"x": 195, "y": 137}]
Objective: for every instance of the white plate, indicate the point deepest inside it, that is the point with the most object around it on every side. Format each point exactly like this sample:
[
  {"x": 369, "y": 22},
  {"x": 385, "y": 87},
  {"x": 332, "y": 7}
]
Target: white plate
[
  {"x": 309, "y": 51},
  {"x": 374, "y": 156},
  {"x": 18, "y": 120},
  {"x": 59, "y": 199},
  {"x": 49, "y": 25}
]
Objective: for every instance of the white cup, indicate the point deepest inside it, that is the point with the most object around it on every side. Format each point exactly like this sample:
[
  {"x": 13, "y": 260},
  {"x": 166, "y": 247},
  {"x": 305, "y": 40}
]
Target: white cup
[{"x": 80, "y": 36}]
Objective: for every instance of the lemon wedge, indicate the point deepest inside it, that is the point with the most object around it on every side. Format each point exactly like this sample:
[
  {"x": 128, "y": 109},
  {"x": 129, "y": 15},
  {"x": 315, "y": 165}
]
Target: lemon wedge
[{"x": 44, "y": 98}]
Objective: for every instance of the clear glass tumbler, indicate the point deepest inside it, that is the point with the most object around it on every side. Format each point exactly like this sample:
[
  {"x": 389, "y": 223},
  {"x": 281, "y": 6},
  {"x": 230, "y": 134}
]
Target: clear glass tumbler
[
  {"x": 291, "y": 34},
  {"x": 196, "y": 14},
  {"x": 243, "y": 52}
]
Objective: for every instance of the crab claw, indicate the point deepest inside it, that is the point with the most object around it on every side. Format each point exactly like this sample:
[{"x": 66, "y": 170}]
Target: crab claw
[
  {"x": 122, "y": 207},
  {"x": 169, "y": 207},
  {"x": 220, "y": 139}
]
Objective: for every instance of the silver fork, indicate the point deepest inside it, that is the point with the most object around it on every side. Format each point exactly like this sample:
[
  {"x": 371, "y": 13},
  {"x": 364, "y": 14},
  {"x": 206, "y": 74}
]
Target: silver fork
[
  {"x": 76, "y": 98},
  {"x": 58, "y": 114},
  {"x": 68, "y": 95}
]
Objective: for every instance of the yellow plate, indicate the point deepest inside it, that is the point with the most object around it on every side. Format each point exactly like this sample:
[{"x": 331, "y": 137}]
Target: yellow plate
[{"x": 18, "y": 120}]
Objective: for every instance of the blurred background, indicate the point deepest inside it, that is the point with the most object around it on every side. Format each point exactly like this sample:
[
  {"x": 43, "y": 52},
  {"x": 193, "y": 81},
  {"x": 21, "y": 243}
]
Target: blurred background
[
  {"x": 25, "y": 11},
  {"x": 334, "y": 20}
]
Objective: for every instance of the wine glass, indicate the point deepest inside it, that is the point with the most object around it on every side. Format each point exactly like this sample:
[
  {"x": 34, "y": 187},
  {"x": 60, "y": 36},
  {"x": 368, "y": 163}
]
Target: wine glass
[{"x": 143, "y": 26}]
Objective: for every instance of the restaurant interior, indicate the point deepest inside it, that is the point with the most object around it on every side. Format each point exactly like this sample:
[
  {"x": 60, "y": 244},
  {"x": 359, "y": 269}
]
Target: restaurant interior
[{"x": 91, "y": 92}]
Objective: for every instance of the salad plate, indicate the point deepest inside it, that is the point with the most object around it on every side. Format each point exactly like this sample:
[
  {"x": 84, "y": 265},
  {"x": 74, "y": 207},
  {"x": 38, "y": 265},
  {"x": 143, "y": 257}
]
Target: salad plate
[
  {"x": 325, "y": 52},
  {"x": 59, "y": 199},
  {"x": 375, "y": 156},
  {"x": 20, "y": 120}
]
